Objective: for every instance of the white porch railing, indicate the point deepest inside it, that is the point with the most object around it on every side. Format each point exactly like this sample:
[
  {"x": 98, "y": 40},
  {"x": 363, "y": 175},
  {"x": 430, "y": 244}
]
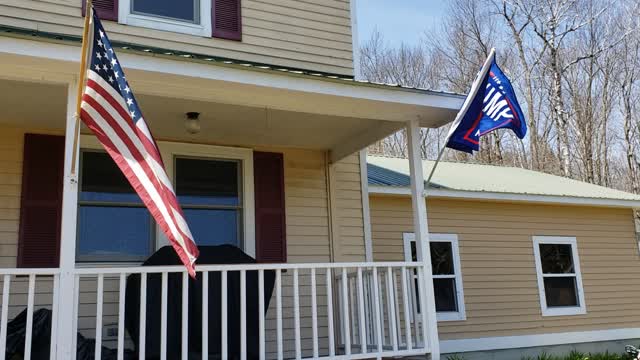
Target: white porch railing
[{"x": 335, "y": 310}]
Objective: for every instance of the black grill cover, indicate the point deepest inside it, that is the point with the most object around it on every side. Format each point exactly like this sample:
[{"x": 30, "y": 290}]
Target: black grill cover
[{"x": 224, "y": 254}]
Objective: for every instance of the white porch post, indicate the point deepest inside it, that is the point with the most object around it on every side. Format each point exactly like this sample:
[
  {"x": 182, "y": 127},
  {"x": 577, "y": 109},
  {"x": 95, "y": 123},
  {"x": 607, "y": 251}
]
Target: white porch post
[
  {"x": 421, "y": 231},
  {"x": 66, "y": 293}
]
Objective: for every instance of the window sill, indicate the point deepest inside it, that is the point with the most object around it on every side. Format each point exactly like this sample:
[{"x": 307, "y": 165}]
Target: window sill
[
  {"x": 451, "y": 316},
  {"x": 166, "y": 25},
  {"x": 564, "y": 311}
]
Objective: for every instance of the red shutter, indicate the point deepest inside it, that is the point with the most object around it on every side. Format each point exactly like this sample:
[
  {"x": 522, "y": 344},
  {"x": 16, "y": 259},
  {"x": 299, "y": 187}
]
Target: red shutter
[
  {"x": 106, "y": 9},
  {"x": 226, "y": 20},
  {"x": 41, "y": 201},
  {"x": 268, "y": 172}
]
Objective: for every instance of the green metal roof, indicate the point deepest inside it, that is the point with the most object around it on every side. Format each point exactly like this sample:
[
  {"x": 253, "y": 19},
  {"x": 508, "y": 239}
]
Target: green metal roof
[{"x": 394, "y": 172}]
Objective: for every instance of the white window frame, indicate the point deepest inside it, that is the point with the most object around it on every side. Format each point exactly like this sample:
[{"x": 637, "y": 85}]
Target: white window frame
[
  {"x": 169, "y": 150},
  {"x": 126, "y": 17},
  {"x": 461, "y": 314},
  {"x": 581, "y": 309}
]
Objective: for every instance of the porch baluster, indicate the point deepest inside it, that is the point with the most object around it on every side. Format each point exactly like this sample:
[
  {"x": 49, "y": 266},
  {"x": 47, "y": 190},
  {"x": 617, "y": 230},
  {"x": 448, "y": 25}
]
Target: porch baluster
[
  {"x": 376, "y": 309},
  {"x": 163, "y": 318},
  {"x": 314, "y": 313},
  {"x": 143, "y": 315},
  {"x": 205, "y": 314},
  {"x": 345, "y": 309},
  {"x": 55, "y": 303},
  {"x": 243, "y": 315},
  {"x": 185, "y": 316},
  {"x": 120, "y": 317},
  {"x": 29, "y": 325},
  {"x": 405, "y": 302},
  {"x": 361, "y": 321},
  {"x": 262, "y": 323},
  {"x": 99, "y": 307},
  {"x": 296, "y": 313},
  {"x": 223, "y": 314},
  {"x": 279, "y": 312},
  {"x": 74, "y": 320},
  {"x": 332, "y": 346},
  {"x": 391, "y": 309}
]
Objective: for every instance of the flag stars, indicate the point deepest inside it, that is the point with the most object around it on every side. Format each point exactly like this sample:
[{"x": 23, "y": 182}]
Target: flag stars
[
  {"x": 127, "y": 89},
  {"x": 113, "y": 62},
  {"x": 98, "y": 55},
  {"x": 97, "y": 67},
  {"x": 116, "y": 75},
  {"x": 101, "y": 33},
  {"x": 129, "y": 101},
  {"x": 100, "y": 43},
  {"x": 111, "y": 79},
  {"x": 133, "y": 115}
]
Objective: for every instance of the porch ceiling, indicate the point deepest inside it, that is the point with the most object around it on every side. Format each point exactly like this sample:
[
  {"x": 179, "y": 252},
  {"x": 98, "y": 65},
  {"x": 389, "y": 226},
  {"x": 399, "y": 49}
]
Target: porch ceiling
[{"x": 238, "y": 106}]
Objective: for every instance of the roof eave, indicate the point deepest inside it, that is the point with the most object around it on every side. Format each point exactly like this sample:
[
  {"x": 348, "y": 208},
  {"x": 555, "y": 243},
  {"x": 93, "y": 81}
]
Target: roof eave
[{"x": 508, "y": 197}]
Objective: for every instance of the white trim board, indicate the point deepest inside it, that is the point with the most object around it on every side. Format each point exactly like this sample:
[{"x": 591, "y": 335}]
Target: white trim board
[
  {"x": 523, "y": 341},
  {"x": 486, "y": 195}
]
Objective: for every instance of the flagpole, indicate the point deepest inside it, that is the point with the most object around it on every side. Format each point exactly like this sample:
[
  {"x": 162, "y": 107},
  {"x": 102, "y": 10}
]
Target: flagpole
[
  {"x": 467, "y": 102},
  {"x": 83, "y": 73}
]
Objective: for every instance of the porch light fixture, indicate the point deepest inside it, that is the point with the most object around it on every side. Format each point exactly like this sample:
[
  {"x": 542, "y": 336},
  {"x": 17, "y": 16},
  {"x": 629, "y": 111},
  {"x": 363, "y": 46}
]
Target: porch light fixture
[{"x": 192, "y": 122}]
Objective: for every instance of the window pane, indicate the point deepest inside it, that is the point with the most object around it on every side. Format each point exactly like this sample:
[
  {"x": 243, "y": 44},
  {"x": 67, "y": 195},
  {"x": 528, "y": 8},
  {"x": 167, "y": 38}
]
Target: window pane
[
  {"x": 114, "y": 233},
  {"x": 184, "y": 10},
  {"x": 445, "y": 294},
  {"x": 556, "y": 259},
  {"x": 560, "y": 291},
  {"x": 214, "y": 226},
  {"x": 442, "y": 258},
  {"x": 102, "y": 180},
  {"x": 414, "y": 251},
  {"x": 207, "y": 182}
]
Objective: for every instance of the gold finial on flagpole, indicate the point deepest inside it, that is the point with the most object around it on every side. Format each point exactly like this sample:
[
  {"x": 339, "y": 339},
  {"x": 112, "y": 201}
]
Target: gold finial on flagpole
[{"x": 81, "y": 82}]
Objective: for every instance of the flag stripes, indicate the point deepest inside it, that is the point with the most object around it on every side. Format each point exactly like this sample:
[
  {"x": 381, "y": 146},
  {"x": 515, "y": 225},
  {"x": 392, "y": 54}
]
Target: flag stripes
[{"x": 110, "y": 111}]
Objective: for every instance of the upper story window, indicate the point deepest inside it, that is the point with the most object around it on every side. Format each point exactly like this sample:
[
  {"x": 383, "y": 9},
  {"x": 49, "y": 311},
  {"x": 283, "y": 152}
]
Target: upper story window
[
  {"x": 182, "y": 16},
  {"x": 559, "y": 278},
  {"x": 208, "y": 18},
  {"x": 183, "y": 10}
]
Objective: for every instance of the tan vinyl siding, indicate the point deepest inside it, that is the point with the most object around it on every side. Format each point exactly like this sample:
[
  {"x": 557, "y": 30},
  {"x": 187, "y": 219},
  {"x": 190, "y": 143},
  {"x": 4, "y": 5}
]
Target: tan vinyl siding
[
  {"x": 312, "y": 35},
  {"x": 498, "y": 269},
  {"x": 349, "y": 241},
  {"x": 308, "y": 241}
]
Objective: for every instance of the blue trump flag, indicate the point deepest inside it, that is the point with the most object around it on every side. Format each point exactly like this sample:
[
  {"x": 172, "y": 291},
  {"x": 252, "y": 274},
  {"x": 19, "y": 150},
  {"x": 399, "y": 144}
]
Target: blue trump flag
[{"x": 490, "y": 105}]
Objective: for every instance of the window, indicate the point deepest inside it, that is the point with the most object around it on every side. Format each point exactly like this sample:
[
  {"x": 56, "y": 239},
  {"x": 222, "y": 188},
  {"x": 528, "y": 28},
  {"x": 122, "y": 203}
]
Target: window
[
  {"x": 210, "y": 193},
  {"x": 559, "y": 278},
  {"x": 183, "y": 16},
  {"x": 182, "y": 10},
  {"x": 214, "y": 186},
  {"x": 447, "y": 276},
  {"x": 107, "y": 198}
]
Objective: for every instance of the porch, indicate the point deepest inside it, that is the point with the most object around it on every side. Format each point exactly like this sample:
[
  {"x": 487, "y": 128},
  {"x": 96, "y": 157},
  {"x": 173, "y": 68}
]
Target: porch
[{"x": 329, "y": 299}]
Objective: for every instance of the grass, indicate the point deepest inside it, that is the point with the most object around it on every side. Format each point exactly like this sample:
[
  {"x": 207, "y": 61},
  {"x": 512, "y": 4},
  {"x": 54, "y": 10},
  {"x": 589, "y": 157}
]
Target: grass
[{"x": 571, "y": 356}]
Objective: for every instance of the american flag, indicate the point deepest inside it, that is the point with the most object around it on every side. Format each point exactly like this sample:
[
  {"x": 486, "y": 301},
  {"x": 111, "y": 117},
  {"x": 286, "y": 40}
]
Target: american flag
[{"x": 111, "y": 111}]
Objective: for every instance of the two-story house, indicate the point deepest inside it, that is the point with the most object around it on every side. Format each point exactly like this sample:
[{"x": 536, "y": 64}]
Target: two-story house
[
  {"x": 271, "y": 165},
  {"x": 262, "y": 127}
]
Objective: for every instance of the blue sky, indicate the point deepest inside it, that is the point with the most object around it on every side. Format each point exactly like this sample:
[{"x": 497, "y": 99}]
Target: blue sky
[{"x": 398, "y": 20}]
